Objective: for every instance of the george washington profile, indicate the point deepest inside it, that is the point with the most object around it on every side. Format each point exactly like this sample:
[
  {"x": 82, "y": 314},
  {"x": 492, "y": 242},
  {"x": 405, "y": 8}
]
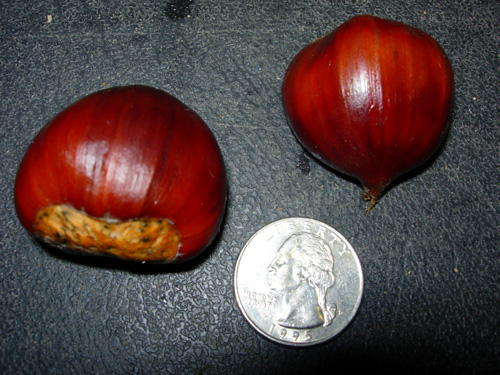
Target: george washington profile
[{"x": 301, "y": 273}]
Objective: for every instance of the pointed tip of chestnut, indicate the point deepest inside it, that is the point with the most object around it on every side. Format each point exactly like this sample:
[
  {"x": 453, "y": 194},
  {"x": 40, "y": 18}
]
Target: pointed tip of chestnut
[
  {"x": 129, "y": 172},
  {"x": 372, "y": 203},
  {"x": 371, "y": 99},
  {"x": 371, "y": 196}
]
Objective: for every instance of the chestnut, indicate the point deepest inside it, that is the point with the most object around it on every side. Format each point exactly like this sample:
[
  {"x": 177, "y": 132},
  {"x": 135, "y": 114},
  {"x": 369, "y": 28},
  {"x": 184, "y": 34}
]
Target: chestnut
[
  {"x": 129, "y": 172},
  {"x": 371, "y": 99}
]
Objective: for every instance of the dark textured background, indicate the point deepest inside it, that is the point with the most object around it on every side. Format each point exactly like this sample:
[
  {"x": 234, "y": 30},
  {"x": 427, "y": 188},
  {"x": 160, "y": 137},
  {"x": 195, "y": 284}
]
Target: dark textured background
[{"x": 429, "y": 249}]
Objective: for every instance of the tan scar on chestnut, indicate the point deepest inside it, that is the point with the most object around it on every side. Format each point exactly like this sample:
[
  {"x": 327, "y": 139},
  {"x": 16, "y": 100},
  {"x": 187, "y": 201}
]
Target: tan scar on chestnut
[{"x": 143, "y": 239}]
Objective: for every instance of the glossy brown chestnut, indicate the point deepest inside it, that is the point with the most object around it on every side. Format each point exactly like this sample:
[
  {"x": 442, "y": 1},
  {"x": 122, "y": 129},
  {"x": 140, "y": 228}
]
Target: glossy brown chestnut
[
  {"x": 129, "y": 172},
  {"x": 371, "y": 99}
]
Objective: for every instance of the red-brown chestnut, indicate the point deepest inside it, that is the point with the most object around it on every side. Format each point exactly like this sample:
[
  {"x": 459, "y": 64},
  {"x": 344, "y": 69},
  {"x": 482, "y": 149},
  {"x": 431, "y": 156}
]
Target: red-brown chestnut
[
  {"x": 371, "y": 99},
  {"x": 129, "y": 172}
]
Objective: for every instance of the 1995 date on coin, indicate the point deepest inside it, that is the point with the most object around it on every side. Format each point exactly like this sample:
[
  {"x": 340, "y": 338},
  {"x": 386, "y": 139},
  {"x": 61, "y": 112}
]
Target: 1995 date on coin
[{"x": 298, "y": 282}]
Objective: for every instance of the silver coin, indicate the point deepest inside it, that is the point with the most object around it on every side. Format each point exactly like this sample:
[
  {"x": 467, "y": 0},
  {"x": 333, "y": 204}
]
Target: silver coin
[{"x": 298, "y": 282}]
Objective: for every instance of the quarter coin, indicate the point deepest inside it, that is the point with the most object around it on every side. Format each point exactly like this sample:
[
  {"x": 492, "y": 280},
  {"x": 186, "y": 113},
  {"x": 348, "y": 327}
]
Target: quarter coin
[{"x": 298, "y": 282}]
